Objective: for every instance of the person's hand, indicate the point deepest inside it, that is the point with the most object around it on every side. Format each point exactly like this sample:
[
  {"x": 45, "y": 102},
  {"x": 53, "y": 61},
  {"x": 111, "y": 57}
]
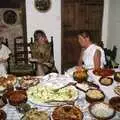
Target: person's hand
[{"x": 33, "y": 60}]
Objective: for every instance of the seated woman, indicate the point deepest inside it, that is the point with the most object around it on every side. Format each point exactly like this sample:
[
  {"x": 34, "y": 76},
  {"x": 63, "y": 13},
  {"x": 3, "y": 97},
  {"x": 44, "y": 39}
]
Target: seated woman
[
  {"x": 92, "y": 55},
  {"x": 4, "y": 55},
  {"x": 41, "y": 51}
]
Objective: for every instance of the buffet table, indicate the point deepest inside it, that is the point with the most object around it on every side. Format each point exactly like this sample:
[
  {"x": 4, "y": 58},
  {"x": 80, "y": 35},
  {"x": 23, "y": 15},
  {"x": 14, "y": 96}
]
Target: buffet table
[{"x": 13, "y": 114}]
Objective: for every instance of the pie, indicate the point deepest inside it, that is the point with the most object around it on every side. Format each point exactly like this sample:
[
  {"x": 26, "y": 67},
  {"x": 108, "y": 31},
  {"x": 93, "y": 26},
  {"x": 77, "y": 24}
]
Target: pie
[{"x": 67, "y": 112}]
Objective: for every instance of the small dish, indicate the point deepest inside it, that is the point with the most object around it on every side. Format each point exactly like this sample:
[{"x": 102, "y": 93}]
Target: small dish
[
  {"x": 67, "y": 112},
  {"x": 101, "y": 111},
  {"x": 94, "y": 95},
  {"x": 35, "y": 114},
  {"x": 103, "y": 72},
  {"x": 17, "y": 97},
  {"x": 106, "y": 81},
  {"x": 115, "y": 103}
]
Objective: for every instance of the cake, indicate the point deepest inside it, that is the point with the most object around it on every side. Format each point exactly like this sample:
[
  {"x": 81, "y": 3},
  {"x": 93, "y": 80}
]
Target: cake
[{"x": 67, "y": 112}]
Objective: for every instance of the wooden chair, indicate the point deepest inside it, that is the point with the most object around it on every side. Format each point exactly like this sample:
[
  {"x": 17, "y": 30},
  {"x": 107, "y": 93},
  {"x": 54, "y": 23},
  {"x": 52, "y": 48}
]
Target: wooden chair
[{"x": 21, "y": 65}]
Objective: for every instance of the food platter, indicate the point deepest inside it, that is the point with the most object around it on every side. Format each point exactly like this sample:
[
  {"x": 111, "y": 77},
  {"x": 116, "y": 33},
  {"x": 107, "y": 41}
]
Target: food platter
[
  {"x": 46, "y": 96},
  {"x": 101, "y": 111},
  {"x": 103, "y": 72},
  {"x": 35, "y": 114},
  {"x": 27, "y": 81},
  {"x": 7, "y": 80},
  {"x": 67, "y": 112}
]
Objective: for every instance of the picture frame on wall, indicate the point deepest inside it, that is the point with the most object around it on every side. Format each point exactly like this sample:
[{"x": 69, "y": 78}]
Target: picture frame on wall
[{"x": 42, "y": 5}]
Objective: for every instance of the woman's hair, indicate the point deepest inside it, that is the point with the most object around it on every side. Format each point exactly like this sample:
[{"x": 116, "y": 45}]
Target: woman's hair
[
  {"x": 86, "y": 34},
  {"x": 39, "y": 32}
]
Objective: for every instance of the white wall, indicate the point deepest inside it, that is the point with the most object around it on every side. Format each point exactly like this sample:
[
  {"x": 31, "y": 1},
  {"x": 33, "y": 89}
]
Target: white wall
[
  {"x": 114, "y": 26},
  {"x": 49, "y": 21}
]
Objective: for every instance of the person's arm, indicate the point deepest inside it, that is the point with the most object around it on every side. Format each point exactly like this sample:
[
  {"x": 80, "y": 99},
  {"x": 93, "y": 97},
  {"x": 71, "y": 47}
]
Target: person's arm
[{"x": 97, "y": 59}]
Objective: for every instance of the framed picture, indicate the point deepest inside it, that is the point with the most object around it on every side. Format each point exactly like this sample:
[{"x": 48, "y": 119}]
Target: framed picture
[
  {"x": 10, "y": 17},
  {"x": 42, "y": 5}
]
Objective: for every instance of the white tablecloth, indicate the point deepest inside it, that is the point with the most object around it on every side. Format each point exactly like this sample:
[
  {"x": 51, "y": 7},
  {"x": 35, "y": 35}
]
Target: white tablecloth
[{"x": 13, "y": 114}]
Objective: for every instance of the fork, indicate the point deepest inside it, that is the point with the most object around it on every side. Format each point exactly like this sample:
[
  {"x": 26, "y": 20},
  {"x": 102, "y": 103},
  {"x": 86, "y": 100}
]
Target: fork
[{"x": 69, "y": 84}]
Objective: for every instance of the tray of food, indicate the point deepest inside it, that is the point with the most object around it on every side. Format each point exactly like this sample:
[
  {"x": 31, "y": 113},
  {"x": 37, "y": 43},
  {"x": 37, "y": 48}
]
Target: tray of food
[
  {"x": 101, "y": 111},
  {"x": 117, "y": 90},
  {"x": 35, "y": 114},
  {"x": 106, "y": 81},
  {"x": 27, "y": 81},
  {"x": 94, "y": 95},
  {"x": 84, "y": 86},
  {"x": 115, "y": 103},
  {"x": 103, "y": 72},
  {"x": 67, "y": 112},
  {"x": 47, "y": 96}
]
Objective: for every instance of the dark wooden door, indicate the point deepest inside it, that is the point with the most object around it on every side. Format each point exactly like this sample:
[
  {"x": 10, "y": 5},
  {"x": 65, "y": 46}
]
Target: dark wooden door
[{"x": 79, "y": 15}]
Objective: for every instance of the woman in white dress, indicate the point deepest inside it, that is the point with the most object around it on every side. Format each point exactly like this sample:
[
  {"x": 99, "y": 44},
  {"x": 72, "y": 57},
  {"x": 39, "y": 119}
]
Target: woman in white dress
[
  {"x": 4, "y": 55},
  {"x": 92, "y": 56}
]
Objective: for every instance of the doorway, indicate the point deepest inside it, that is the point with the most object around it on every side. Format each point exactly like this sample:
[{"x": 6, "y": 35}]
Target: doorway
[
  {"x": 13, "y": 22},
  {"x": 77, "y": 16}
]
